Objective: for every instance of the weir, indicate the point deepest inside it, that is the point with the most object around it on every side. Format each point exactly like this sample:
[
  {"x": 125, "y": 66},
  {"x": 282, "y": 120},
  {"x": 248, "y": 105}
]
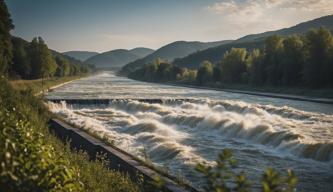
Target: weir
[
  {"x": 107, "y": 101},
  {"x": 178, "y": 128},
  {"x": 118, "y": 159}
]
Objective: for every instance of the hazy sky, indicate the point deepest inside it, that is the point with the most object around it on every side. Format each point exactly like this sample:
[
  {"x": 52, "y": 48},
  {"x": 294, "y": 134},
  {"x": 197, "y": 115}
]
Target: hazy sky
[{"x": 102, "y": 25}]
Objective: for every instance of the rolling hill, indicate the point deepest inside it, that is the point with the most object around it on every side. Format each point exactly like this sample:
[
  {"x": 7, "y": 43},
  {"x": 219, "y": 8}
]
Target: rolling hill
[
  {"x": 214, "y": 54},
  {"x": 250, "y": 42},
  {"x": 141, "y": 51},
  {"x": 170, "y": 52},
  {"x": 326, "y": 21},
  {"x": 80, "y": 55},
  {"x": 118, "y": 58}
]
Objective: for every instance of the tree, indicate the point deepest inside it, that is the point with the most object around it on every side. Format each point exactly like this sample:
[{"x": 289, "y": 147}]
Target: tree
[
  {"x": 205, "y": 73},
  {"x": 255, "y": 67},
  {"x": 21, "y": 61},
  {"x": 49, "y": 65},
  {"x": 164, "y": 71},
  {"x": 186, "y": 75},
  {"x": 42, "y": 61},
  {"x": 318, "y": 68},
  {"x": 272, "y": 60},
  {"x": 63, "y": 68},
  {"x": 217, "y": 74},
  {"x": 5, "y": 39},
  {"x": 293, "y": 57},
  {"x": 233, "y": 65}
]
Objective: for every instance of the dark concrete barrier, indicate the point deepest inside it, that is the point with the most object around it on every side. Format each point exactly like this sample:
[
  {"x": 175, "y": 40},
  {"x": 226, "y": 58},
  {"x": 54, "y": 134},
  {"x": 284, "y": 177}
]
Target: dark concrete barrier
[
  {"x": 119, "y": 160},
  {"x": 107, "y": 101}
]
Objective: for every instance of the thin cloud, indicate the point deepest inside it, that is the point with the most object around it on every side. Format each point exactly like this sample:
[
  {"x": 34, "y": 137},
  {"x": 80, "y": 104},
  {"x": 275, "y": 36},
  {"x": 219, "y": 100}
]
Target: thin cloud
[
  {"x": 249, "y": 7},
  {"x": 253, "y": 16}
]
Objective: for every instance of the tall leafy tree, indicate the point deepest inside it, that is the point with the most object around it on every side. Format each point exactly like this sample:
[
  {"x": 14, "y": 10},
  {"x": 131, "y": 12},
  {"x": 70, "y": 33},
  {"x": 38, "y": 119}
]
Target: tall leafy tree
[
  {"x": 293, "y": 57},
  {"x": 63, "y": 68},
  {"x": 255, "y": 67},
  {"x": 272, "y": 60},
  {"x": 5, "y": 39},
  {"x": 318, "y": 68},
  {"x": 21, "y": 61},
  {"x": 164, "y": 71},
  {"x": 205, "y": 73},
  {"x": 42, "y": 61},
  {"x": 217, "y": 74},
  {"x": 233, "y": 65}
]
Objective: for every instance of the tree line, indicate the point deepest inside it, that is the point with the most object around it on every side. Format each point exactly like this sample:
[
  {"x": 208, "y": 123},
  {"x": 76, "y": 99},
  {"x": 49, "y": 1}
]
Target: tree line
[
  {"x": 162, "y": 71},
  {"x": 296, "y": 60},
  {"x": 32, "y": 60}
]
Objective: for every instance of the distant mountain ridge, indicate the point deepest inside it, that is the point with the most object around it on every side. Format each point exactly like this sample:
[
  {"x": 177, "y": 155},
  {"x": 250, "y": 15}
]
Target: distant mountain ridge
[
  {"x": 326, "y": 21},
  {"x": 170, "y": 52},
  {"x": 141, "y": 51},
  {"x": 80, "y": 55},
  {"x": 118, "y": 58},
  {"x": 214, "y": 54},
  {"x": 250, "y": 42}
]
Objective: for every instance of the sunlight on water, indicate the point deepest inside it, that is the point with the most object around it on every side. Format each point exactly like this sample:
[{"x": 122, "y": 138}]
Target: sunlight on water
[{"x": 262, "y": 132}]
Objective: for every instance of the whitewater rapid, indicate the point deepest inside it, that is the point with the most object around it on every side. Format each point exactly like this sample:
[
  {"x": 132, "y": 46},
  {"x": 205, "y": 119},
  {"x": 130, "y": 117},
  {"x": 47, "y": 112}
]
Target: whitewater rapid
[{"x": 262, "y": 132}]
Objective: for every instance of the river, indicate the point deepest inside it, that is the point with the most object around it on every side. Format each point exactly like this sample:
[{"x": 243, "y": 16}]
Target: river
[{"x": 261, "y": 131}]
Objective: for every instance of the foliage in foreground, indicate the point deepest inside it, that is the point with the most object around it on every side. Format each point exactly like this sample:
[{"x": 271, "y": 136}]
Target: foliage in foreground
[
  {"x": 222, "y": 177},
  {"x": 28, "y": 163},
  {"x": 32, "y": 159}
]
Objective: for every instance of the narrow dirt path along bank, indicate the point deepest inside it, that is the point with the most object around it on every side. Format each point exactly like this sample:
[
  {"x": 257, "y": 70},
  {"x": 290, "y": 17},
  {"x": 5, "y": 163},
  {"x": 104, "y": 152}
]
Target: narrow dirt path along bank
[{"x": 37, "y": 86}]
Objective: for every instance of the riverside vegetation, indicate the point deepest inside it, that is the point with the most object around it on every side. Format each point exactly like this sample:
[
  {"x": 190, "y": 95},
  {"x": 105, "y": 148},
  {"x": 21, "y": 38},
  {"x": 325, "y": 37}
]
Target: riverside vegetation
[
  {"x": 304, "y": 62},
  {"x": 32, "y": 159}
]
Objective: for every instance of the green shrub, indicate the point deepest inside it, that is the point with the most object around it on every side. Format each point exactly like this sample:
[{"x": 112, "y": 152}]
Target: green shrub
[
  {"x": 28, "y": 163},
  {"x": 223, "y": 178},
  {"x": 32, "y": 159}
]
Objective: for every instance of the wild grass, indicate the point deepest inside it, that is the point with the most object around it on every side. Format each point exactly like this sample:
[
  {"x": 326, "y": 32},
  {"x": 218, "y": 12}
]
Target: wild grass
[
  {"x": 33, "y": 159},
  {"x": 38, "y": 85}
]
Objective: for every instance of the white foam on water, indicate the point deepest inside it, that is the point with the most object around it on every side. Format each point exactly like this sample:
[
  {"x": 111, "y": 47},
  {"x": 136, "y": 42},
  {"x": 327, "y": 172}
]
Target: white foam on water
[
  {"x": 286, "y": 129},
  {"x": 270, "y": 132}
]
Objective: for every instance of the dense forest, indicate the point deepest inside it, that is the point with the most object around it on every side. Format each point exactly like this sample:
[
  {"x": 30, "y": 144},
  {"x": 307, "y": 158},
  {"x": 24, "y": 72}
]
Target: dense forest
[
  {"x": 20, "y": 59},
  {"x": 293, "y": 61}
]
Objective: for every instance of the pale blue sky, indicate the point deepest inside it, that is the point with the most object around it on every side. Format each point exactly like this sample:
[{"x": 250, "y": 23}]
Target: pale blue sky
[{"x": 102, "y": 25}]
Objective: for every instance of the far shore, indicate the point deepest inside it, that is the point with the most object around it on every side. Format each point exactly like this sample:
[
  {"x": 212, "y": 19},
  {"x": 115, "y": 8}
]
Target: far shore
[
  {"x": 315, "y": 99},
  {"x": 283, "y": 93}
]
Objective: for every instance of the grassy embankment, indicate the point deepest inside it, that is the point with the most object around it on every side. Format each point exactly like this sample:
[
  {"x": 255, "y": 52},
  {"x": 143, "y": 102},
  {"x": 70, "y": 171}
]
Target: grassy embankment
[
  {"x": 38, "y": 85},
  {"x": 33, "y": 159}
]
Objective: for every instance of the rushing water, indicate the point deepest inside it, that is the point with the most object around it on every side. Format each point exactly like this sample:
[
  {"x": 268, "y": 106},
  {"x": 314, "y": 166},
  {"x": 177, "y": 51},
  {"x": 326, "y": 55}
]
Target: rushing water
[{"x": 262, "y": 132}]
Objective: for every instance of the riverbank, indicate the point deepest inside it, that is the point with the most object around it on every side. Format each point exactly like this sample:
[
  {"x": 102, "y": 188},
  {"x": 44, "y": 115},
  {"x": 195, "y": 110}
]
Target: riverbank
[
  {"x": 37, "y": 86},
  {"x": 260, "y": 92},
  {"x": 55, "y": 166}
]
